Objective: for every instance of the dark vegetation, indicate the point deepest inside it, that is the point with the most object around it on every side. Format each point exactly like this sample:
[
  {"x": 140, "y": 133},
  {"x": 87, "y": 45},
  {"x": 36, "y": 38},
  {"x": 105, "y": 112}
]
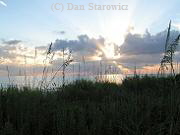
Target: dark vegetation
[{"x": 139, "y": 106}]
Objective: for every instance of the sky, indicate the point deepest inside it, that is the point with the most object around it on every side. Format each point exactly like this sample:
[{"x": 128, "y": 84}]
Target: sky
[{"x": 123, "y": 37}]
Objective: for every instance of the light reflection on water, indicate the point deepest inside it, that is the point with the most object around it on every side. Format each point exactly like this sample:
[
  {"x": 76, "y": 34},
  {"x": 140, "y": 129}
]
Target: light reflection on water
[{"x": 34, "y": 81}]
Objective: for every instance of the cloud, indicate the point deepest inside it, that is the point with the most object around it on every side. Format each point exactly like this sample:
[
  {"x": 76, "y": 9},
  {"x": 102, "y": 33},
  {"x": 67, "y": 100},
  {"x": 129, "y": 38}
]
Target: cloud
[
  {"x": 137, "y": 49},
  {"x": 13, "y": 51},
  {"x": 177, "y": 26},
  {"x": 140, "y": 59},
  {"x": 14, "y": 57},
  {"x": 83, "y": 45},
  {"x": 144, "y": 49},
  {"x": 9, "y": 52},
  {"x": 11, "y": 42},
  {"x": 3, "y": 3},
  {"x": 59, "y": 32},
  {"x": 136, "y": 44}
]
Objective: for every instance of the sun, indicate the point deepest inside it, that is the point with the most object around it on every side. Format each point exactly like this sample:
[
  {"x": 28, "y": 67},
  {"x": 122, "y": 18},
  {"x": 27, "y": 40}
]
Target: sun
[{"x": 109, "y": 51}]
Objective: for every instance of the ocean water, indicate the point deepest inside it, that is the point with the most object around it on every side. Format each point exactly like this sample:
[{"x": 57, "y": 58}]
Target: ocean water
[{"x": 35, "y": 81}]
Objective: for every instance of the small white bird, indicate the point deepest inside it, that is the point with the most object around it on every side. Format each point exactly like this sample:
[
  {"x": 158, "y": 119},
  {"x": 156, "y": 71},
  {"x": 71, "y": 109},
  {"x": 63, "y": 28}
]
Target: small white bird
[{"x": 3, "y": 3}]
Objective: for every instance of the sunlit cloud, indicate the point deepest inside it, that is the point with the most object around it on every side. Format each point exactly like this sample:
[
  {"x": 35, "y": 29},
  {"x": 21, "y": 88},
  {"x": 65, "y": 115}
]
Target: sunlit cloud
[{"x": 137, "y": 50}]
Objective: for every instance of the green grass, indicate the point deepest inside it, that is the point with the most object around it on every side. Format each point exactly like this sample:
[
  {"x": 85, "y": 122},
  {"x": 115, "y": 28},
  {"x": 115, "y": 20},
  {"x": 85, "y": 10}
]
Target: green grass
[{"x": 139, "y": 106}]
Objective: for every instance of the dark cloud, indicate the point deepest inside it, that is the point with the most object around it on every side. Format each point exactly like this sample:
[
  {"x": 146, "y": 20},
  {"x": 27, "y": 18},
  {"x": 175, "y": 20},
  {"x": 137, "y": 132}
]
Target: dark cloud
[
  {"x": 11, "y": 42},
  {"x": 140, "y": 59},
  {"x": 140, "y": 49},
  {"x": 144, "y": 49},
  {"x": 137, "y": 49},
  {"x": 59, "y": 32},
  {"x": 136, "y": 44},
  {"x": 82, "y": 46}
]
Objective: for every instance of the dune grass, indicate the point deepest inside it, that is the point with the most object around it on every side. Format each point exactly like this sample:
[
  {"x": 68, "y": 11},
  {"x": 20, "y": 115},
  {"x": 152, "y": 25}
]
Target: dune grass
[{"x": 138, "y": 106}]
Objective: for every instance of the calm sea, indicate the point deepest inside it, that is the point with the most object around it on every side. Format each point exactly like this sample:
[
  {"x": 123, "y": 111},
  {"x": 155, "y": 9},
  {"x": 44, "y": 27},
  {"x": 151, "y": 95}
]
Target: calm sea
[{"x": 35, "y": 81}]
